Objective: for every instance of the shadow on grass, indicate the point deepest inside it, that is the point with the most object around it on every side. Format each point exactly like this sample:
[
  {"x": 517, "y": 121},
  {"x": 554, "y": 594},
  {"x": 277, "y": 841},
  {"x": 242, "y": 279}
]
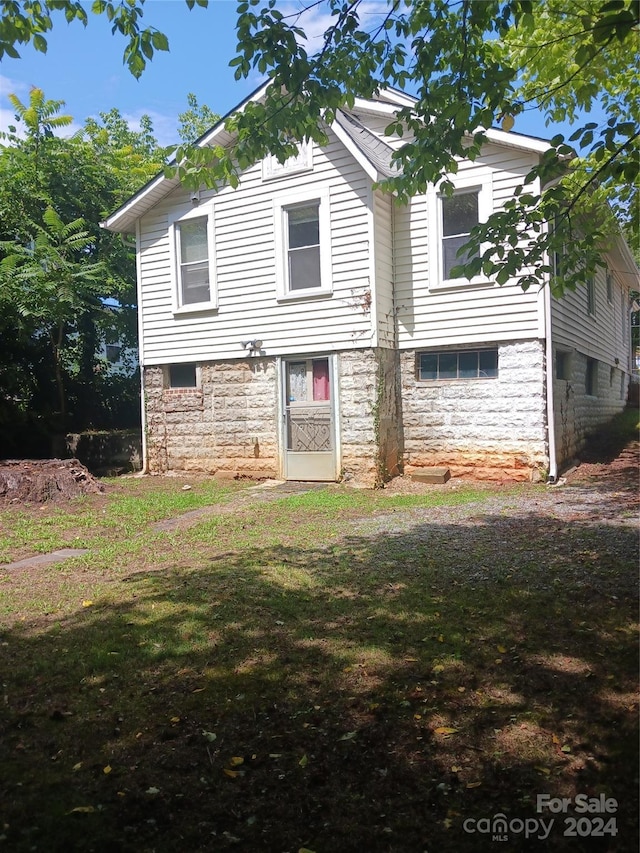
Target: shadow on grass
[{"x": 372, "y": 695}]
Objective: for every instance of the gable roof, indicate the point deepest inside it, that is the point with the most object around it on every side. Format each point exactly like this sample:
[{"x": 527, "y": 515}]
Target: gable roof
[
  {"x": 371, "y": 152},
  {"x": 375, "y": 151}
]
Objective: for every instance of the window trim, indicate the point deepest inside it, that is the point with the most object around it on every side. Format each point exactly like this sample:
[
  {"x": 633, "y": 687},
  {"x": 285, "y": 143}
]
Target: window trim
[
  {"x": 281, "y": 204},
  {"x": 480, "y": 180},
  {"x": 198, "y": 212},
  {"x": 437, "y": 352}
]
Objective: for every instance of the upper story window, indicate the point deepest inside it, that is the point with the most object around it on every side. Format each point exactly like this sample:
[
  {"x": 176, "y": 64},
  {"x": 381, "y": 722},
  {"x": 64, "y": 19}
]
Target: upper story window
[
  {"x": 450, "y": 220},
  {"x": 609, "y": 287},
  {"x": 459, "y": 215},
  {"x": 193, "y": 268},
  {"x": 303, "y": 245},
  {"x": 113, "y": 352},
  {"x": 194, "y": 261}
]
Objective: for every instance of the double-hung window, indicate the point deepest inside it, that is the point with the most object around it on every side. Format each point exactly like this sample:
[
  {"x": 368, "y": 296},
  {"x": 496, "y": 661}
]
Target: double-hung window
[
  {"x": 450, "y": 220},
  {"x": 459, "y": 215},
  {"x": 302, "y": 244},
  {"x": 193, "y": 250}
]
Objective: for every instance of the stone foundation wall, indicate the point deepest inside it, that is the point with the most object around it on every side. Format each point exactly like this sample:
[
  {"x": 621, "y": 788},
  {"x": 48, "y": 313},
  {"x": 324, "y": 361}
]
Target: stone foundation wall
[
  {"x": 357, "y": 400},
  {"x": 577, "y": 413},
  {"x": 492, "y": 429},
  {"x": 484, "y": 428},
  {"x": 227, "y": 426}
]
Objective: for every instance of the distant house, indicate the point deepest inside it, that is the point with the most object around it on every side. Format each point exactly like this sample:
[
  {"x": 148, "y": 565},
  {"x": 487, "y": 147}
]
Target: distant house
[{"x": 305, "y": 326}]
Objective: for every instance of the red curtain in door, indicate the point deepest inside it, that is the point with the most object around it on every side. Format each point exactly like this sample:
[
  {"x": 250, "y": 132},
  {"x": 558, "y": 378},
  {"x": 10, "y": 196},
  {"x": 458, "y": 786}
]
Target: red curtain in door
[{"x": 321, "y": 379}]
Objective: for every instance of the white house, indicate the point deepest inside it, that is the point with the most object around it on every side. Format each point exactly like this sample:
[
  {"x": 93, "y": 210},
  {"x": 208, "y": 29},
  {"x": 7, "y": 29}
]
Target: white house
[{"x": 305, "y": 326}]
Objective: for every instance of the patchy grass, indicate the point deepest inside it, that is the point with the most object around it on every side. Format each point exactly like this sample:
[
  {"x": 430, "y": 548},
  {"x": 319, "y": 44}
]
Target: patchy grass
[
  {"x": 335, "y": 670},
  {"x": 129, "y": 506}
]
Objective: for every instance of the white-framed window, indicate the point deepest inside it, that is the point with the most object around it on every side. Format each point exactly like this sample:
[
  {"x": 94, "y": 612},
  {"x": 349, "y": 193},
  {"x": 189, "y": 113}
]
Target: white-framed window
[
  {"x": 113, "y": 352},
  {"x": 300, "y": 162},
  {"x": 192, "y": 245},
  {"x": 303, "y": 245},
  {"x": 450, "y": 220},
  {"x": 457, "y": 364},
  {"x": 609, "y": 275},
  {"x": 591, "y": 296}
]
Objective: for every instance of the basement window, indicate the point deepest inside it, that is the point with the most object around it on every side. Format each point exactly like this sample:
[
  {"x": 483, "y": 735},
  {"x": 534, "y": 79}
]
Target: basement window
[
  {"x": 591, "y": 378},
  {"x": 182, "y": 376},
  {"x": 563, "y": 365},
  {"x": 461, "y": 364}
]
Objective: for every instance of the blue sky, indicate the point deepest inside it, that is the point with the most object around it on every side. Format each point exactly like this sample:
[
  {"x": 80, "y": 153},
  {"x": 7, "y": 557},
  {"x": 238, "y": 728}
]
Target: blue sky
[{"x": 83, "y": 67}]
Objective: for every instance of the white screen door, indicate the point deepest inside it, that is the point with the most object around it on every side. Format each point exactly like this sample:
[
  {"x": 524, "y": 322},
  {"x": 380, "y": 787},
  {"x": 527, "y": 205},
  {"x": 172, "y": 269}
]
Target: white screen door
[{"x": 309, "y": 432}]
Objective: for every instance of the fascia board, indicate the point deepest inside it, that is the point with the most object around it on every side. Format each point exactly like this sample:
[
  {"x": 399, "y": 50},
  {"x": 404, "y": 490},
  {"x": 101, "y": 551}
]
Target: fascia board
[
  {"x": 355, "y": 151},
  {"x": 517, "y": 140},
  {"x": 375, "y": 107}
]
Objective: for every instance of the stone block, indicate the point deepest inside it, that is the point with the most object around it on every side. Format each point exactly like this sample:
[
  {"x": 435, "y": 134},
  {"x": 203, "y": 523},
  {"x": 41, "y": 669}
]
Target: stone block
[{"x": 433, "y": 476}]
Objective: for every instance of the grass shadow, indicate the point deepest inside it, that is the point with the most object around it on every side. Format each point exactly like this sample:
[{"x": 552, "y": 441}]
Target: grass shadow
[{"x": 372, "y": 694}]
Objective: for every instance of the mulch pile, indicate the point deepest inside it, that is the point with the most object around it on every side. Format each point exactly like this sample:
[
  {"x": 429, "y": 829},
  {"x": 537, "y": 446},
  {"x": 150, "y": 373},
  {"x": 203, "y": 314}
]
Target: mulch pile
[{"x": 44, "y": 480}]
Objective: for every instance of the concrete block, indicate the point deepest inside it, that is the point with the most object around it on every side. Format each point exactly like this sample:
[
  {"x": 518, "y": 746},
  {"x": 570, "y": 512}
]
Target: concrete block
[{"x": 431, "y": 475}]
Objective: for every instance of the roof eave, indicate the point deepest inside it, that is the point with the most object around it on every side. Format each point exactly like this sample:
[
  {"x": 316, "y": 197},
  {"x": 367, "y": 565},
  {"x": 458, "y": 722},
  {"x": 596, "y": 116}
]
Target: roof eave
[{"x": 124, "y": 218}]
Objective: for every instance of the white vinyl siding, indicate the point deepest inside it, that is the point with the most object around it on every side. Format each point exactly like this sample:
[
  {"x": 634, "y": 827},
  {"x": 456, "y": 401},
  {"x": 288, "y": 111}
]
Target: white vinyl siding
[
  {"x": 245, "y": 269},
  {"x": 596, "y": 349},
  {"x": 600, "y": 332},
  {"x": 436, "y": 313}
]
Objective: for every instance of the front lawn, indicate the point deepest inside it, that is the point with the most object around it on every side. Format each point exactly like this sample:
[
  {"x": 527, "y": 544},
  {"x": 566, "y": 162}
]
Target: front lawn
[{"x": 329, "y": 671}]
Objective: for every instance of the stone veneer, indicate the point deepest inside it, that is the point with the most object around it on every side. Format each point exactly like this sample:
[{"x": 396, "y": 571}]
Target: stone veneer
[
  {"x": 228, "y": 425},
  {"x": 488, "y": 429},
  {"x": 577, "y": 413},
  {"x": 484, "y": 428},
  {"x": 370, "y": 416}
]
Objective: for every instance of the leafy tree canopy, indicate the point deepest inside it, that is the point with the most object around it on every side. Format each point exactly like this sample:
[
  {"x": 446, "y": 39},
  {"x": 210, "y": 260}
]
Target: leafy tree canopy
[
  {"x": 196, "y": 120},
  {"x": 471, "y": 64},
  {"x": 61, "y": 275}
]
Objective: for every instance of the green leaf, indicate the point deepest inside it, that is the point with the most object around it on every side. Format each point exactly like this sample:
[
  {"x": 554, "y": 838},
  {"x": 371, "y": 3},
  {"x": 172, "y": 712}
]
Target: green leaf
[{"x": 159, "y": 40}]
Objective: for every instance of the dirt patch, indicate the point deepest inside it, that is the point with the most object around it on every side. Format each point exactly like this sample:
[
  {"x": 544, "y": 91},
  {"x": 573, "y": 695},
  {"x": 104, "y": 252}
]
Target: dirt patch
[{"x": 44, "y": 480}]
